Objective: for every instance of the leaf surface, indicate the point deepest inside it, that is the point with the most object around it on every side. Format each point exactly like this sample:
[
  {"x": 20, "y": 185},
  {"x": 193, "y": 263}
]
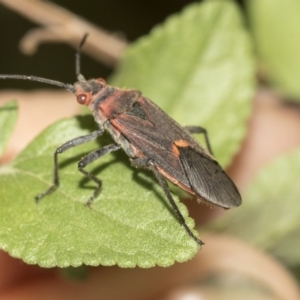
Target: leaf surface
[{"x": 7, "y": 123}]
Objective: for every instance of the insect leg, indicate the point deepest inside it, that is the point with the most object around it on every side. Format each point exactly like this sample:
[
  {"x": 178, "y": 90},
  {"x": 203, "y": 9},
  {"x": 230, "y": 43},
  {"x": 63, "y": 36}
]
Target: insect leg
[
  {"x": 89, "y": 158},
  {"x": 200, "y": 130},
  {"x": 68, "y": 145},
  {"x": 144, "y": 162}
]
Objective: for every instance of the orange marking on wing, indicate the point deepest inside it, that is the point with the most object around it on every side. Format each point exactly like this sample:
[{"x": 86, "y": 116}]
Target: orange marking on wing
[
  {"x": 181, "y": 143},
  {"x": 175, "y": 181},
  {"x": 175, "y": 150}
]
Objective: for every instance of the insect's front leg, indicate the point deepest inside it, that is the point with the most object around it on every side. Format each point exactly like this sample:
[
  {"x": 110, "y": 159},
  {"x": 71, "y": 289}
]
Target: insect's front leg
[
  {"x": 68, "y": 145},
  {"x": 89, "y": 158},
  {"x": 200, "y": 130}
]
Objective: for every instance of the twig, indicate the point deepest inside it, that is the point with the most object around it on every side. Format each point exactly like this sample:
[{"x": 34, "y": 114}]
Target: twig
[{"x": 58, "y": 25}]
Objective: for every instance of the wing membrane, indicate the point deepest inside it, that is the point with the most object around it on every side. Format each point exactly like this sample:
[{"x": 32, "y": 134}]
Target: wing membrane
[{"x": 208, "y": 179}]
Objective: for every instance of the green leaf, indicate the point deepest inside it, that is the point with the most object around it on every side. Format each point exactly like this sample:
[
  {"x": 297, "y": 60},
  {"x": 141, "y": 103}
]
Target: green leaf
[
  {"x": 275, "y": 25},
  {"x": 130, "y": 224},
  {"x": 270, "y": 214},
  {"x": 199, "y": 68},
  {"x": 8, "y": 113}
]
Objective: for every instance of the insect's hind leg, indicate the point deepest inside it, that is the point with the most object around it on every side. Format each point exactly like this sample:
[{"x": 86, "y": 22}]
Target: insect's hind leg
[
  {"x": 144, "y": 162},
  {"x": 200, "y": 130},
  {"x": 89, "y": 158},
  {"x": 68, "y": 145}
]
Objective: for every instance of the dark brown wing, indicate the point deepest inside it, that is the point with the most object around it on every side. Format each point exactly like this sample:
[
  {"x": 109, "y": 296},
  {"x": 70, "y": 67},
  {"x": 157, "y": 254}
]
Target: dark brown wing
[{"x": 208, "y": 179}]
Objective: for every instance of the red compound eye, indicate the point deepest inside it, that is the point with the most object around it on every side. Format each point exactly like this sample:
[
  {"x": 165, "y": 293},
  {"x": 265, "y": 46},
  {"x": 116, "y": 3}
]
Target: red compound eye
[{"x": 82, "y": 99}]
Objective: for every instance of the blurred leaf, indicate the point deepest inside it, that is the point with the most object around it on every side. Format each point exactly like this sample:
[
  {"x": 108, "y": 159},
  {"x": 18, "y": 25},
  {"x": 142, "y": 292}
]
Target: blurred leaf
[
  {"x": 275, "y": 25},
  {"x": 199, "y": 68},
  {"x": 130, "y": 224},
  {"x": 9, "y": 114},
  {"x": 270, "y": 214}
]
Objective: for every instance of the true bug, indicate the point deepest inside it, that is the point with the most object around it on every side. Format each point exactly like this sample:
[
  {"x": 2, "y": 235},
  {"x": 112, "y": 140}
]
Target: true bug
[{"x": 150, "y": 138}]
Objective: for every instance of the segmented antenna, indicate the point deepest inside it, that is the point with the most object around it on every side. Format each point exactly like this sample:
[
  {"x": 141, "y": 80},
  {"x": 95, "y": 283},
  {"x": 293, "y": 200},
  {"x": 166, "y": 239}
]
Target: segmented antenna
[
  {"x": 78, "y": 58},
  {"x": 68, "y": 87}
]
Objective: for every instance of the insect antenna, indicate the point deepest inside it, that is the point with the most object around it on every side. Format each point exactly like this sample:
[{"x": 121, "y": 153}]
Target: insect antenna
[
  {"x": 78, "y": 58},
  {"x": 66, "y": 86}
]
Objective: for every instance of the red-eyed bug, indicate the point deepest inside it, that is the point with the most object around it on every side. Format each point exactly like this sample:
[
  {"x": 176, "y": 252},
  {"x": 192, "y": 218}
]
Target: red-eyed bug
[{"x": 150, "y": 138}]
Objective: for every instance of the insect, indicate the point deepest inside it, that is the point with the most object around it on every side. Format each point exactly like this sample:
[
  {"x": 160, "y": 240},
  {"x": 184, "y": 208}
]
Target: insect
[{"x": 149, "y": 137}]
